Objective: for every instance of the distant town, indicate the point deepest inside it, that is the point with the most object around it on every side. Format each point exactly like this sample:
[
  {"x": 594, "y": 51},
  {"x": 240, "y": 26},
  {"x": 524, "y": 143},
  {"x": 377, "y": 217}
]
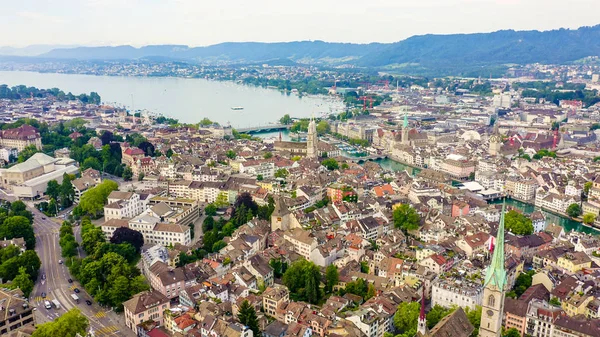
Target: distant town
[{"x": 427, "y": 207}]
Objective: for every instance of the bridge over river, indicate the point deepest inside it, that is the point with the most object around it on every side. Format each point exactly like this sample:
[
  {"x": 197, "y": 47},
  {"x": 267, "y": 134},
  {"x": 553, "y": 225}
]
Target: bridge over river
[{"x": 264, "y": 128}]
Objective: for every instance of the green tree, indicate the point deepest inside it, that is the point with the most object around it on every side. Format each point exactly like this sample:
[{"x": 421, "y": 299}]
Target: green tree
[
  {"x": 231, "y": 154},
  {"x": 18, "y": 208},
  {"x": 574, "y": 210},
  {"x": 90, "y": 238},
  {"x": 259, "y": 177},
  {"x": 127, "y": 174},
  {"x": 23, "y": 281},
  {"x": 281, "y": 173},
  {"x": 27, "y": 152},
  {"x": 286, "y": 119},
  {"x": 436, "y": 314},
  {"x": 92, "y": 202},
  {"x": 247, "y": 316},
  {"x": 91, "y": 162},
  {"x": 169, "y": 153},
  {"x": 406, "y": 218},
  {"x": 67, "y": 191},
  {"x": 332, "y": 277},
  {"x": 18, "y": 227},
  {"x": 323, "y": 127},
  {"x": 210, "y": 210},
  {"x": 268, "y": 155},
  {"x": 517, "y": 223},
  {"x": 141, "y": 176},
  {"x": 364, "y": 267},
  {"x": 512, "y": 332},
  {"x": 474, "y": 316},
  {"x": 554, "y": 301},
  {"x": 69, "y": 324},
  {"x": 53, "y": 189},
  {"x": 302, "y": 279},
  {"x": 330, "y": 163},
  {"x": 587, "y": 187},
  {"x": 589, "y": 218},
  {"x": 406, "y": 318}
]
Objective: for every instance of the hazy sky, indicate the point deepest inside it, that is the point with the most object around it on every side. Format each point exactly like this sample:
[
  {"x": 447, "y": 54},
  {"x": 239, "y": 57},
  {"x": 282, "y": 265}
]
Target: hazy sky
[{"x": 205, "y": 22}]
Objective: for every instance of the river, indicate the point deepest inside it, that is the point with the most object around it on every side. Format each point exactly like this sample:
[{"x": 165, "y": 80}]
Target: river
[
  {"x": 187, "y": 99},
  {"x": 564, "y": 222}
]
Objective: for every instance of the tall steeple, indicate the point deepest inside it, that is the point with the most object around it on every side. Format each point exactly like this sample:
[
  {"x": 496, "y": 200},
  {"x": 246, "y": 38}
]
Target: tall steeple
[
  {"x": 422, "y": 327},
  {"x": 494, "y": 287},
  {"x": 311, "y": 140},
  {"x": 405, "y": 129},
  {"x": 495, "y": 141}
]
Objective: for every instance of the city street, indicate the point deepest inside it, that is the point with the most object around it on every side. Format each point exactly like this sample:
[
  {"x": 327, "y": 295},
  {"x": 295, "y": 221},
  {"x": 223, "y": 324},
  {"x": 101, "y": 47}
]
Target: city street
[{"x": 56, "y": 286}]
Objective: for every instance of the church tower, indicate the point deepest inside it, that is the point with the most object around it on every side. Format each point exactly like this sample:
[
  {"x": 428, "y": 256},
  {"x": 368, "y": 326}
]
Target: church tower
[
  {"x": 280, "y": 219},
  {"x": 494, "y": 288},
  {"x": 311, "y": 140},
  {"x": 405, "y": 130},
  {"x": 422, "y": 325},
  {"x": 495, "y": 141}
]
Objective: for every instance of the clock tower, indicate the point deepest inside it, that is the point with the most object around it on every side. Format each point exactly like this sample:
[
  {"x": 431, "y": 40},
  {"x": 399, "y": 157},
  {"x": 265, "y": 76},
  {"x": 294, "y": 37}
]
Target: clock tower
[{"x": 494, "y": 288}]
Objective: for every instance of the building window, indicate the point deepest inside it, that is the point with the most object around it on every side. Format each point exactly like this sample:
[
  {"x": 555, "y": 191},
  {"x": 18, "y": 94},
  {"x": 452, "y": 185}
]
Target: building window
[{"x": 491, "y": 301}]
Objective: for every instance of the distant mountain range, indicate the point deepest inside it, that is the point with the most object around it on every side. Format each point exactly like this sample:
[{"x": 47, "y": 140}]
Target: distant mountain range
[{"x": 425, "y": 51}]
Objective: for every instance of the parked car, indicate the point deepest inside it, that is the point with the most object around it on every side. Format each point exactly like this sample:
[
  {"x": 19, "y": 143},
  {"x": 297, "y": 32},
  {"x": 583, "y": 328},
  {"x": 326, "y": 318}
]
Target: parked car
[
  {"x": 43, "y": 295},
  {"x": 59, "y": 261},
  {"x": 70, "y": 280},
  {"x": 88, "y": 302},
  {"x": 76, "y": 290}
]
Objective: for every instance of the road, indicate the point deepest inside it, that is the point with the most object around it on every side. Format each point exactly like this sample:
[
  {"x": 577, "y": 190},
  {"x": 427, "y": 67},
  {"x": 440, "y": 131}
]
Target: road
[{"x": 55, "y": 285}]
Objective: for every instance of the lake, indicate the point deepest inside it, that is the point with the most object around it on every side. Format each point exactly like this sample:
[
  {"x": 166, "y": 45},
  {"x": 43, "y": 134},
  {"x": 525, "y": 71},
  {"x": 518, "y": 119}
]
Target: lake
[{"x": 187, "y": 99}]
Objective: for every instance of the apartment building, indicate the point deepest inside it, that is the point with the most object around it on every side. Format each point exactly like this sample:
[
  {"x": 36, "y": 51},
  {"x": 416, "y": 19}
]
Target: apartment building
[
  {"x": 450, "y": 292},
  {"x": 21, "y": 137},
  {"x": 124, "y": 205},
  {"x": 145, "y": 306},
  {"x": 16, "y": 312},
  {"x": 179, "y": 211},
  {"x": 273, "y": 297},
  {"x": 302, "y": 241}
]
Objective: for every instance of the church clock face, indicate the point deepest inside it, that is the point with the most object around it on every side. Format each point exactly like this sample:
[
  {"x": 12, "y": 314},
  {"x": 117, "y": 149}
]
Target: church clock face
[{"x": 490, "y": 313}]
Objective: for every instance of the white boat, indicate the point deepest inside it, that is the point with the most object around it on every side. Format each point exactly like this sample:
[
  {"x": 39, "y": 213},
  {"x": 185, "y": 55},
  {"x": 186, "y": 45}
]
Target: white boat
[{"x": 237, "y": 108}]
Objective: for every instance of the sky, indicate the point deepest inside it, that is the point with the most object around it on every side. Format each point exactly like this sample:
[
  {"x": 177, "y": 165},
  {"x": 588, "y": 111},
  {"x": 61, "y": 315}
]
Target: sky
[{"x": 206, "y": 22}]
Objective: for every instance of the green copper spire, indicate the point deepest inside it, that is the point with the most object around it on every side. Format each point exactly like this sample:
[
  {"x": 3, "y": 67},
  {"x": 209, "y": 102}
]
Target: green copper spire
[
  {"x": 405, "y": 125},
  {"x": 496, "y": 274}
]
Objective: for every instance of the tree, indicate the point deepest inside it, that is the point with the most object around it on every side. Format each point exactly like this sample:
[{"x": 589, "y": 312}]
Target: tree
[
  {"x": 92, "y": 202},
  {"x": 231, "y": 154},
  {"x": 18, "y": 227},
  {"x": 259, "y": 177},
  {"x": 53, "y": 189},
  {"x": 128, "y": 235},
  {"x": 69, "y": 324},
  {"x": 323, "y": 127},
  {"x": 436, "y": 314},
  {"x": 518, "y": 223},
  {"x": 210, "y": 210},
  {"x": 91, "y": 162},
  {"x": 361, "y": 288},
  {"x": 555, "y": 301},
  {"x": 364, "y": 267},
  {"x": 589, "y": 218},
  {"x": 67, "y": 191},
  {"x": 332, "y": 277},
  {"x": 512, "y": 332},
  {"x": 281, "y": 173},
  {"x": 127, "y": 174},
  {"x": 330, "y": 163},
  {"x": 148, "y": 148},
  {"x": 27, "y": 152},
  {"x": 406, "y": 317},
  {"x": 406, "y": 218},
  {"x": 268, "y": 155},
  {"x": 587, "y": 187},
  {"x": 286, "y": 119},
  {"x": 18, "y": 208},
  {"x": 217, "y": 246},
  {"x": 169, "y": 153},
  {"x": 302, "y": 279},
  {"x": 574, "y": 210},
  {"x": 23, "y": 282},
  {"x": 90, "y": 238},
  {"x": 141, "y": 176},
  {"x": 474, "y": 316},
  {"x": 247, "y": 316}
]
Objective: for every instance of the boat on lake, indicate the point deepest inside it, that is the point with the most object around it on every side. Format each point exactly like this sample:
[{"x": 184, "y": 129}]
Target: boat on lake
[{"x": 237, "y": 108}]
